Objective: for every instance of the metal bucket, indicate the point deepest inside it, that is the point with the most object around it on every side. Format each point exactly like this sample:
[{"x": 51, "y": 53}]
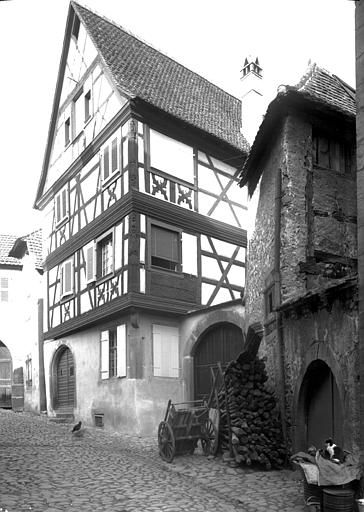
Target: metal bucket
[{"x": 338, "y": 500}]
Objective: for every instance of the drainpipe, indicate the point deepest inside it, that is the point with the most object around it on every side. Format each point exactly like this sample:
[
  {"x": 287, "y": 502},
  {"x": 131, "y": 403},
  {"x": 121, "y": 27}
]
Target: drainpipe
[
  {"x": 42, "y": 388},
  {"x": 277, "y": 285}
]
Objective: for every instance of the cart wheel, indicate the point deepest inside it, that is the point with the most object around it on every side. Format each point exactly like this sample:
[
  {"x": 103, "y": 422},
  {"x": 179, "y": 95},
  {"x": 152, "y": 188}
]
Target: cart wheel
[
  {"x": 209, "y": 441},
  {"x": 166, "y": 442}
]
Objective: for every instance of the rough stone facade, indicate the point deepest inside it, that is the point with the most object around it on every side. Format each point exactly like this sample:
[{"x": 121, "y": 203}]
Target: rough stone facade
[{"x": 302, "y": 267}]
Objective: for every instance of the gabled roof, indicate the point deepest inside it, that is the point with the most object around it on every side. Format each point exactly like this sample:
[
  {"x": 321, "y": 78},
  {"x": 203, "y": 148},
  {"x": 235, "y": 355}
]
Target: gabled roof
[
  {"x": 318, "y": 91},
  {"x": 17, "y": 247},
  {"x": 140, "y": 71},
  {"x": 143, "y": 74}
]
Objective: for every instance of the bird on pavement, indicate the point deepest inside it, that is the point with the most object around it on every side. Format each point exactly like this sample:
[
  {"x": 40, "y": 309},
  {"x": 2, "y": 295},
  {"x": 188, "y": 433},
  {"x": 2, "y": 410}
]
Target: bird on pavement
[{"x": 77, "y": 427}]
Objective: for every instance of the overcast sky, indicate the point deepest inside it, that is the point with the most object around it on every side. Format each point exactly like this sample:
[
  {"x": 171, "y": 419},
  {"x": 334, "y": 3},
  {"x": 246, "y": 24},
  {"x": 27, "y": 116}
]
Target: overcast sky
[{"x": 208, "y": 36}]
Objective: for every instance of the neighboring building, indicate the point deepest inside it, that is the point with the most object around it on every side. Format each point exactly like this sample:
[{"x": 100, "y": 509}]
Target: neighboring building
[
  {"x": 302, "y": 263},
  {"x": 359, "y": 45},
  {"x": 20, "y": 281},
  {"x": 144, "y": 229}
]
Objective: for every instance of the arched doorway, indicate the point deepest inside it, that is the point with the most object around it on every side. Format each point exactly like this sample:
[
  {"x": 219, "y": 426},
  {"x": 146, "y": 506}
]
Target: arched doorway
[
  {"x": 322, "y": 405},
  {"x": 64, "y": 379},
  {"x": 220, "y": 343},
  {"x": 5, "y": 376}
]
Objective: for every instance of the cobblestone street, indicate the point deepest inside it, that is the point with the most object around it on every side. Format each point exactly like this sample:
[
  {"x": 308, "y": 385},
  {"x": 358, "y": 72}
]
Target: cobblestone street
[{"x": 44, "y": 468}]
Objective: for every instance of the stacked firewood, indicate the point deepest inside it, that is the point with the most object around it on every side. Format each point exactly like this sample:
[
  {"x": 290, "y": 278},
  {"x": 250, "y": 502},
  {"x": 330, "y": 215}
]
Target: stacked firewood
[{"x": 250, "y": 429}]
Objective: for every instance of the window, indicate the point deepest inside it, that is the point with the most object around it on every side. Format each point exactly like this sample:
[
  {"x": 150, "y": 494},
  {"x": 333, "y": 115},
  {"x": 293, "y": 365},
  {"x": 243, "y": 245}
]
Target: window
[
  {"x": 110, "y": 159},
  {"x": 331, "y": 153},
  {"x": 28, "y": 372},
  {"x": 165, "y": 248},
  {"x": 113, "y": 352},
  {"x": 76, "y": 27},
  {"x": 165, "y": 351},
  {"x": 67, "y": 278},
  {"x": 104, "y": 256},
  {"x": 87, "y": 104},
  {"x": 61, "y": 205},
  {"x": 270, "y": 302},
  {"x": 67, "y": 131},
  {"x": 4, "y": 289}
]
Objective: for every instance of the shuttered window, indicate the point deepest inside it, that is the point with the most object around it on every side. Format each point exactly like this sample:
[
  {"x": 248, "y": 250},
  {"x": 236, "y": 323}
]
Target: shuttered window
[
  {"x": 165, "y": 351},
  {"x": 110, "y": 159},
  {"x": 67, "y": 278},
  {"x": 165, "y": 248},
  {"x": 104, "y": 256},
  {"x": 113, "y": 352},
  {"x": 90, "y": 262},
  {"x": 4, "y": 289},
  {"x": 61, "y": 205}
]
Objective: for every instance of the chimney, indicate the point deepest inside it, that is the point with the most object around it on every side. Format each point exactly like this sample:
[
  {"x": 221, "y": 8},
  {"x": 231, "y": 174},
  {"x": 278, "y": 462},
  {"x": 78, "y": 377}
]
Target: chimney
[{"x": 251, "y": 95}]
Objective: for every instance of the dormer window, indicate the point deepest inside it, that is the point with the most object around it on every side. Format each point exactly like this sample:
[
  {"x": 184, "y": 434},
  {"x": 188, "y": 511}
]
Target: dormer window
[
  {"x": 76, "y": 27},
  {"x": 67, "y": 131},
  {"x": 87, "y": 104},
  {"x": 61, "y": 205}
]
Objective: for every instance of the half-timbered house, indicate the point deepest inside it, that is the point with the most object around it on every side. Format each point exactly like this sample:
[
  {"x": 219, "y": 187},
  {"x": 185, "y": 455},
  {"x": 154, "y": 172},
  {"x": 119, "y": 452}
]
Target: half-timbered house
[
  {"x": 144, "y": 229},
  {"x": 20, "y": 292}
]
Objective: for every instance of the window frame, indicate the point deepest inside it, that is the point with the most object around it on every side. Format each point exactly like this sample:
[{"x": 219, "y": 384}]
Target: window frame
[
  {"x": 67, "y": 264},
  {"x": 161, "y": 225},
  {"x": 98, "y": 253},
  {"x": 113, "y": 358},
  {"x": 63, "y": 208},
  {"x": 108, "y": 149},
  {"x": 4, "y": 289}
]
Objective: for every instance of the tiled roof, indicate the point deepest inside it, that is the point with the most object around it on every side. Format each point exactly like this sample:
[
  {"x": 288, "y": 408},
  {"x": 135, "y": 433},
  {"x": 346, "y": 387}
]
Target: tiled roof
[
  {"x": 328, "y": 89},
  {"x": 11, "y": 244},
  {"x": 140, "y": 71},
  {"x": 318, "y": 89},
  {"x": 6, "y": 244}
]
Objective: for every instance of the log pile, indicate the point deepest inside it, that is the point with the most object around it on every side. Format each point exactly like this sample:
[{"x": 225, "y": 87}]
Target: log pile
[{"x": 252, "y": 419}]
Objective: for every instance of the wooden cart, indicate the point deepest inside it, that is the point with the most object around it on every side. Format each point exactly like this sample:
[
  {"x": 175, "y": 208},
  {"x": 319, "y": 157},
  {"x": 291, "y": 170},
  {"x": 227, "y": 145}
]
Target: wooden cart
[{"x": 184, "y": 424}]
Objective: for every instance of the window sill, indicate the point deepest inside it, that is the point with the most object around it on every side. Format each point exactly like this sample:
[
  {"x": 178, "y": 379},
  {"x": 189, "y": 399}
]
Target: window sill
[
  {"x": 101, "y": 280},
  {"x": 62, "y": 222},
  {"x": 66, "y": 298},
  {"x": 110, "y": 180},
  {"x": 160, "y": 270}
]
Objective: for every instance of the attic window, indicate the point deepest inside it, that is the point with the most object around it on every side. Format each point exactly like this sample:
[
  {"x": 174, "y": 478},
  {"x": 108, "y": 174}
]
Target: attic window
[
  {"x": 76, "y": 27},
  {"x": 67, "y": 131},
  {"x": 330, "y": 153},
  {"x": 87, "y": 105}
]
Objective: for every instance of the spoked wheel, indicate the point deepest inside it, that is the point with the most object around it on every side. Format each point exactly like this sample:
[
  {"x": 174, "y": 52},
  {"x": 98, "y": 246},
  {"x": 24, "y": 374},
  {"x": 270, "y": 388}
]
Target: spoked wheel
[
  {"x": 209, "y": 439},
  {"x": 166, "y": 442}
]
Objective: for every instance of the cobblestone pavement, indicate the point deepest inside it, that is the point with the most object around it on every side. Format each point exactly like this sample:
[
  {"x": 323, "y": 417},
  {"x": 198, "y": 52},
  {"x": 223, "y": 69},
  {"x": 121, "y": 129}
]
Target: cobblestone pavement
[{"x": 44, "y": 468}]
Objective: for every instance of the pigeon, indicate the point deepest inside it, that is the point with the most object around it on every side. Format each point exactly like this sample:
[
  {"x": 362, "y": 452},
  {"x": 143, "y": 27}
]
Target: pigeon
[{"x": 77, "y": 427}]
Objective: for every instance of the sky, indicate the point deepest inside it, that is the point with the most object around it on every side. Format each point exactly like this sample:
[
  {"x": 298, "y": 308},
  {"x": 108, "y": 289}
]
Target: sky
[{"x": 210, "y": 37}]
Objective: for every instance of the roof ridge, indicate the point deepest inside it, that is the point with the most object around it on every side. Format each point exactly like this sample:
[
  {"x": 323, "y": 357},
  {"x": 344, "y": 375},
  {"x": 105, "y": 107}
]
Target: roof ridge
[{"x": 141, "y": 40}]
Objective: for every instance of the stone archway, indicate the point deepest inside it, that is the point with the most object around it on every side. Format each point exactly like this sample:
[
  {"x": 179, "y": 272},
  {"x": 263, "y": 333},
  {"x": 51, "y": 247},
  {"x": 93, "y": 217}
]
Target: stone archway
[
  {"x": 5, "y": 376},
  {"x": 319, "y": 407},
  {"x": 221, "y": 342},
  {"x": 63, "y": 380}
]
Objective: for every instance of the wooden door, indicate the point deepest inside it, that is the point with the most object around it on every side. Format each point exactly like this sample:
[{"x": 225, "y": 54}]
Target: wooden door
[
  {"x": 324, "y": 410},
  {"x": 65, "y": 379},
  {"x": 222, "y": 343},
  {"x": 5, "y": 376},
  {"x": 17, "y": 390}
]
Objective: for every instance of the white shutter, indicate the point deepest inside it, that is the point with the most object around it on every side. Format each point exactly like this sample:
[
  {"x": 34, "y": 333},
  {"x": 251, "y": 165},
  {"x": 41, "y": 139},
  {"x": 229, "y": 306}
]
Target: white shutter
[
  {"x": 157, "y": 351},
  {"x": 121, "y": 350},
  {"x": 165, "y": 351},
  {"x": 67, "y": 277},
  {"x": 90, "y": 256},
  {"x": 189, "y": 254},
  {"x": 104, "y": 355}
]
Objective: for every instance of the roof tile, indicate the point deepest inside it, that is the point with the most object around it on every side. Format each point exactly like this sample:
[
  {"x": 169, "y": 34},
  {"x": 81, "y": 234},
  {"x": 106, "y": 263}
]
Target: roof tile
[{"x": 140, "y": 71}]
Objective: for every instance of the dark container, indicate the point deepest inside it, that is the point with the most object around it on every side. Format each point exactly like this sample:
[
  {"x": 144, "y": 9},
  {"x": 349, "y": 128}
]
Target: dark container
[{"x": 338, "y": 500}]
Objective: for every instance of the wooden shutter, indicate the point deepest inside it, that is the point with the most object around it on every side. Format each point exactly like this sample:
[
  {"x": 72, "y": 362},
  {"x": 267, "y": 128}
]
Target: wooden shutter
[
  {"x": 67, "y": 277},
  {"x": 189, "y": 254},
  {"x": 64, "y": 203},
  {"x": 90, "y": 256},
  {"x": 165, "y": 351},
  {"x": 104, "y": 355},
  {"x": 121, "y": 350},
  {"x": 106, "y": 163},
  {"x": 58, "y": 208},
  {"x": 114, "y": 156}
]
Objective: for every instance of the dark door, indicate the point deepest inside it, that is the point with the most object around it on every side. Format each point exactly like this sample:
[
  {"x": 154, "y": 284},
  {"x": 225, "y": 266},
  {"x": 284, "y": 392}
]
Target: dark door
[
  {"x": 17, "y": 390},
  {"x": 5, "y": 376},
  {"x": 222, "y": 343},
  {"x": 65, "y": 380},
  {"x": 323, "y": 410}
]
